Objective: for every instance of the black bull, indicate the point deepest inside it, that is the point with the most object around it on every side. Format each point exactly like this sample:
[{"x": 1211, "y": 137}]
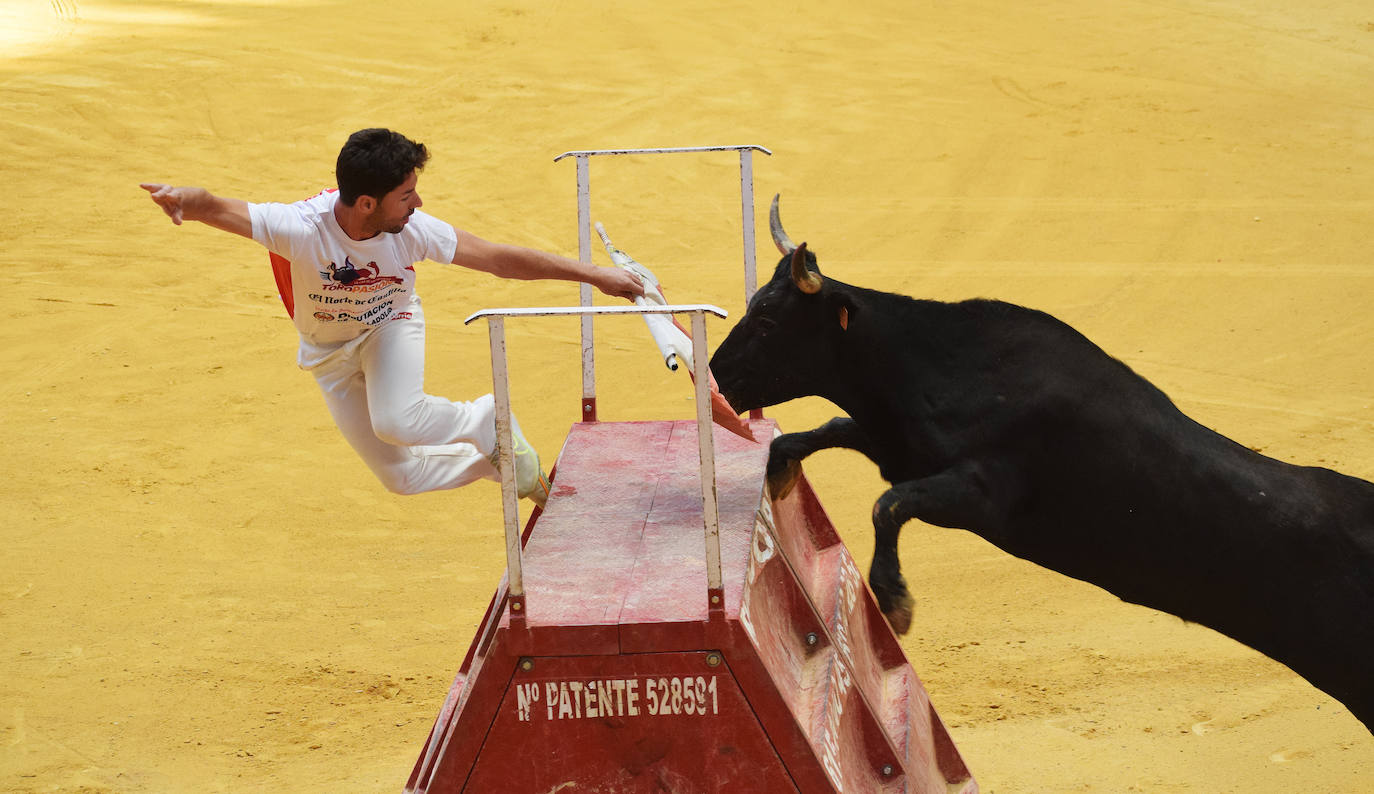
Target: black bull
[{"x": 1004, "y": 421}]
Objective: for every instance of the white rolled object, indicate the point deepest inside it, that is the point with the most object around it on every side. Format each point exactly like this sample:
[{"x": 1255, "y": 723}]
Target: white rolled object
[{"x": 674, "y": 344}]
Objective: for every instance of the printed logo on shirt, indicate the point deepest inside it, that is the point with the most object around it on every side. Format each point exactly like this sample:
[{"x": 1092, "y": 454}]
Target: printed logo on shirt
[{"x": 367, "y": 278}]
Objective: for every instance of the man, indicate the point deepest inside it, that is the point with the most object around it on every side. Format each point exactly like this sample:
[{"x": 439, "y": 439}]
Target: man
[{"x": 343, "y": 261}]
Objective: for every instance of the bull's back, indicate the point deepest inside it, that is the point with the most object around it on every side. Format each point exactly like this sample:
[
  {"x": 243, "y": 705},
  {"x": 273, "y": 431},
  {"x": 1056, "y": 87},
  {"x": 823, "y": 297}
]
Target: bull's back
[
  {"x": 1118, "y": 487},
  {"x": 1166, "y": 512}
]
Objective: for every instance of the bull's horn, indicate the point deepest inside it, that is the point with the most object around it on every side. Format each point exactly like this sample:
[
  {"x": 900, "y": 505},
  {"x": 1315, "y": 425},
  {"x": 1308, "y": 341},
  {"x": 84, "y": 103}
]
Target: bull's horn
[
  {"x": 806, "y": 281},
  {"x": 784, "y": 245}
]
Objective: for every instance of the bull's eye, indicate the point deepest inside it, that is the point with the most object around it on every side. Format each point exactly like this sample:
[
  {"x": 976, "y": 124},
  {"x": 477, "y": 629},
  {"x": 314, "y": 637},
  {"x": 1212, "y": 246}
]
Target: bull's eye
[{"x": 766, "y": 324}]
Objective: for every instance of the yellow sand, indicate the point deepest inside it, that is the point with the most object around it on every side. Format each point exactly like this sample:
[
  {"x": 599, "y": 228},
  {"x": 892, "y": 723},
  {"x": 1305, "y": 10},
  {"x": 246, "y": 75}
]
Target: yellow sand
[{"x": 203, "y": 590}]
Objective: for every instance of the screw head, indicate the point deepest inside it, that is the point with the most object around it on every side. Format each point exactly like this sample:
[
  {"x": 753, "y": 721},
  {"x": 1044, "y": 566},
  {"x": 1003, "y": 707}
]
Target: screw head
[
  {"x": 812, "y": 638},
  {"x": 887, "y": 770},
  {"x": 527, "y": 664},
  {"x": 713, "y": 659}
]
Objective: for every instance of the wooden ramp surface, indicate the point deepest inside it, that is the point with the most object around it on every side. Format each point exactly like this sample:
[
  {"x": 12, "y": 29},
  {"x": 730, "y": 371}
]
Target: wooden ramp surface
[{"x": 621, "y": 543}]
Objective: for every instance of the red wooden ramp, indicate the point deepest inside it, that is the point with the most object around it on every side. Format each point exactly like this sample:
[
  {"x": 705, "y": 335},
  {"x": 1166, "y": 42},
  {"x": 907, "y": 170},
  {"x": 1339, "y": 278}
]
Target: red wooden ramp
[{"x": 621, "y": 677}]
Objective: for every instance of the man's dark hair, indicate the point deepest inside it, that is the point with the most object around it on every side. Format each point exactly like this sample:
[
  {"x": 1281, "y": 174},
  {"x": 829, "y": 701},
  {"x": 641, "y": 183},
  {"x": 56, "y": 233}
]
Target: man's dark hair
[{"x": 375, "y": 162}]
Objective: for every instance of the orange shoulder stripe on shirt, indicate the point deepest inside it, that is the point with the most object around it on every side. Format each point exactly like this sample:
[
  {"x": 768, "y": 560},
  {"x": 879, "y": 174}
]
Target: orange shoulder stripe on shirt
[{"x": 281, "y": 271}]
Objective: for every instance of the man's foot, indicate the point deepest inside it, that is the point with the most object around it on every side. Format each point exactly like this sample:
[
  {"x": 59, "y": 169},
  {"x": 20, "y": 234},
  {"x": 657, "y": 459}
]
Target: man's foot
[
  {"x": 539, "y": 494},
  {"x": 530, "y": 481}
]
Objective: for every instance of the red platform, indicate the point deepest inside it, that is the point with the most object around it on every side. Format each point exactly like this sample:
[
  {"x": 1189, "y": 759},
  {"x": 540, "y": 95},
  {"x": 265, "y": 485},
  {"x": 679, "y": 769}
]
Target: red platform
[{"x": 621, "y": 677}]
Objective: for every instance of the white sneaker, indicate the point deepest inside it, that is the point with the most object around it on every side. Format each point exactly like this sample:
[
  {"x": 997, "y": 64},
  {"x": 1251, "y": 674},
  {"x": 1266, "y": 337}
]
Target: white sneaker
[{"x": 530, "y": 481}]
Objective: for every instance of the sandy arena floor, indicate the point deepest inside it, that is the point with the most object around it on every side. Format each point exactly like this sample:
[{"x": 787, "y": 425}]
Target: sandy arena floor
[{"x": 203, "y": 590}]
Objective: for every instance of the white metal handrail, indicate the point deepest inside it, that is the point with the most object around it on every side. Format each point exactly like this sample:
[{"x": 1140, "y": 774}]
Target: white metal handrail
[
  {"x": 500, "y": 372},
  {"x": 584, "y": 238}
]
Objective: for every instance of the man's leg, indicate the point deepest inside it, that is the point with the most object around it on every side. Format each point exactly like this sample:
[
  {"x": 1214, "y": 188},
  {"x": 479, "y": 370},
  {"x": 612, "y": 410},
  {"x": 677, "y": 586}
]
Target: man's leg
[
  {"x": 402, "y": 469},
  {"x": 392, "y": 358},
  {"x": 403, "y": 414}
]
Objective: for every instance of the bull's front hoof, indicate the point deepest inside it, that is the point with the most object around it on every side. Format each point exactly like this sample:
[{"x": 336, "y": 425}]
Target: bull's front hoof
[
  {"x": 894, "y": 601},
  {"x": 899, "y": 616},
  {"x": 781, "y": 483}
]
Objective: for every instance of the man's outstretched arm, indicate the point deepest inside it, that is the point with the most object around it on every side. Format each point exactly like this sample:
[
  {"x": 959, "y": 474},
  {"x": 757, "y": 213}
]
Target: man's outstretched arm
[
  {"x": 199, "y": 204},
  {"x": 512, "y": 261}
]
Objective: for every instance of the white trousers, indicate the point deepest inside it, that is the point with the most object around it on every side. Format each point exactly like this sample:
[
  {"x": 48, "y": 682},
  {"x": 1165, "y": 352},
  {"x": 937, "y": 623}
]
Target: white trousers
[{"x": 414, "y": 442}]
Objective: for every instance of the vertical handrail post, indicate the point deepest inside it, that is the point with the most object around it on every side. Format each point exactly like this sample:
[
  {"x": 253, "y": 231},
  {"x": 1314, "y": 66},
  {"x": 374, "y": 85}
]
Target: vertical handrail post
[
  {"x": 746, "y": 205},
  {"x": 715, "y": 592},
  {"x": 505, "y": 448},
  {"x": 584, "y": 253},
  {"x": 746, "y": 201}
]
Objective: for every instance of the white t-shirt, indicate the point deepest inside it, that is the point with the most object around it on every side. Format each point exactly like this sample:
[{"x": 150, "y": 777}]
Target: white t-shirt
[{"x": 334, "y": 287}]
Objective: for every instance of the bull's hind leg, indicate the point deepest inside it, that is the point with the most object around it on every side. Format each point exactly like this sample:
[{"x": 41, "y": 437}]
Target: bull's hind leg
[
  {"x": 956, "y": 497},
  {"x": 788, "y": 450}
]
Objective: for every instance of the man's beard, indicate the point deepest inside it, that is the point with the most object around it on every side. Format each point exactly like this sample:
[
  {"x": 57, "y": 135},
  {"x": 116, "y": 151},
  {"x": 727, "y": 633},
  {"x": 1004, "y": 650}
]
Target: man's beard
[{"x": 399, "y": 227}]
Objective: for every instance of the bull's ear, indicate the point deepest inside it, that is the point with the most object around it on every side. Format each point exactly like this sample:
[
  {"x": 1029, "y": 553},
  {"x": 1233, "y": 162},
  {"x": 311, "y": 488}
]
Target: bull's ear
[
  {"x": 842, "y": 307},
  {"x": 806, "y": 281}
]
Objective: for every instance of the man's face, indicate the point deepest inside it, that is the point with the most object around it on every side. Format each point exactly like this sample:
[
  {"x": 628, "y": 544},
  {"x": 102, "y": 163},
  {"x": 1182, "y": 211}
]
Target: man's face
[{"x": 395, "y": 208}]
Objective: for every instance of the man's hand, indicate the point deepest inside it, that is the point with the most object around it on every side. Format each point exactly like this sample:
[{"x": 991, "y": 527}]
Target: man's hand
[
  {"x": 619, "y": 283},
  {"x": 168, "y": 198},
  {"x": 199, "y": 204}
]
